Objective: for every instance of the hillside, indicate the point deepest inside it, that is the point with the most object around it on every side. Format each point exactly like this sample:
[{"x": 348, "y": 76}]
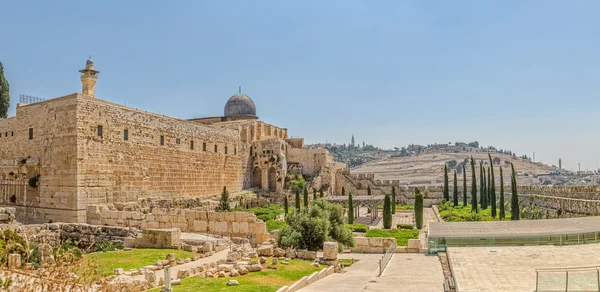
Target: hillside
[{"x": 428, "y": 167}]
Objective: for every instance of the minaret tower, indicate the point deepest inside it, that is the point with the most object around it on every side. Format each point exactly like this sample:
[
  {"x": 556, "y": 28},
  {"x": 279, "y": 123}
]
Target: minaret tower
[{"x": 89, "y": 76}]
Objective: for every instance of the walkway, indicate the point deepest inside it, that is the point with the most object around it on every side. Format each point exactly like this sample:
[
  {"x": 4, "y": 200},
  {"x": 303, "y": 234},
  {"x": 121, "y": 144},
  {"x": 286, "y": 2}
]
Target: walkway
[
  {"x": 355, "y": 278},
  {"x": 410, "y": 273},
  {"x": 428, "y": 217}
]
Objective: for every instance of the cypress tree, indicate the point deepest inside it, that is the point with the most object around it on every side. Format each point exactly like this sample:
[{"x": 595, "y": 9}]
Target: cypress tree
[
  {"x": 4, "y": 94},
  {"x": 455, "y": 190},
  {"x": 446, "y": 190},
  {"x": 515, "y": 213},
  {"x": 418, "y": 209},
  {"x": 343, "y": 191},
  {"x": 298, "y": 199},
  {"x": 224, "y": 202},
  {"x": 482, "y": 187},
  {"x": 492, "y": 188},
  {"x": 502, "y": 214},
  {"x": 464, "y": 186},
  {"x": 387, "y": 213},
  {"x": 488, "y": 189},
  {"x": 350, "y": 209},
  {"x": 321, "y": 192},
  {"x": 393, "y": 200},
  {"x": 314, "y": 194},
  {"x": 473, "y": 187},
  {"x": 306, "y": 198},
  {"x": 286, "y": 205}
]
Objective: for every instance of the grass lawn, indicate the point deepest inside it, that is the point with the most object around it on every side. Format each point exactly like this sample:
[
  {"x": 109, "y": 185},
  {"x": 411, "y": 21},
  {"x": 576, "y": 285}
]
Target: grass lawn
[
  {"x": 133, "y": 259},
  {"x": 265, "y": 280},
  {"x": 265, "y": 213},
  {"x": 275, "y": 225},
  {"x": 462, "y": 214},
  {"x": 402, "y": 235},
  {"x": 399, "y": 207}
]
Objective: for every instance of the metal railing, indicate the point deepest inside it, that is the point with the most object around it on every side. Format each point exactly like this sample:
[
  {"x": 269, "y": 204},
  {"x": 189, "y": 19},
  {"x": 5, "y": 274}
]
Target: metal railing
[
  {"x": 28, "y": 99},
  {"x": 585, "y": 278},
  {"x": 387, "y": 256}
]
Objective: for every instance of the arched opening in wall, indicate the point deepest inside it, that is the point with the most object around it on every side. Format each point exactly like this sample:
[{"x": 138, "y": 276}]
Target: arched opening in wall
[
  {"x": 272, "y": 179},
  {"x": 256, "y": 178}
]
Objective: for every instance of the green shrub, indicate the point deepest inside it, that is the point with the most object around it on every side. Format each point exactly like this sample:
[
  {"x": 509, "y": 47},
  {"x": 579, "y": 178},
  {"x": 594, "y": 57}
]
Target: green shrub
[
  {"x": 275, "y": 225},
  {"x": 265, "y": 213},
  {"x": 321, "y": 222},
  {"x": 107, "y": 245},
  {"x": 387, "y": 213},
  {"x": 358, "y": 227},
  {"x": 405, "y": 226},
  {"x": 405, "y": 207}
]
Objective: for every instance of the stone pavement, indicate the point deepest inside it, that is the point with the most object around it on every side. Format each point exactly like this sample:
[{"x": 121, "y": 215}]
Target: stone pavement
[
  {"x": 355, "y": 278},
  {"x": 428, "y": 216},
  {"x": 512, "y": 268},
  {"x": 410, "y": 273}
]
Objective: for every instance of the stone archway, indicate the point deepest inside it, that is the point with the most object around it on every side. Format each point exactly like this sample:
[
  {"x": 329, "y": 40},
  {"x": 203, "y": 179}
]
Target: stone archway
[
  {"x": 272, "y": 179},
  {"x": 257, "y": 178}
]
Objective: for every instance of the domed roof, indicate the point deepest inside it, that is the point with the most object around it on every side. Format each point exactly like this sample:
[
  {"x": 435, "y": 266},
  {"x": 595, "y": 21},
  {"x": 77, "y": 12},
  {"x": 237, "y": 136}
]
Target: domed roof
[
  {"x": 89, "y": 61},
  {"x": 240, "y": 105}
]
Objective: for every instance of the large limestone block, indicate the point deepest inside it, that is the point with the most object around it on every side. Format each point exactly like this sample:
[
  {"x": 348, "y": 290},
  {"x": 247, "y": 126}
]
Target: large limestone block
[
  {"x": 200, "y": 226},
  {"x": 243, "y": 227},
  {"x": 414, "y": 243},
  {"x": 221, "y": 227},
  {"x": 330, "y": 250},
  {"x": 265, "y": 250},
  {"x": 361, "y": 241},
  {"x": 376, "y": 242}
]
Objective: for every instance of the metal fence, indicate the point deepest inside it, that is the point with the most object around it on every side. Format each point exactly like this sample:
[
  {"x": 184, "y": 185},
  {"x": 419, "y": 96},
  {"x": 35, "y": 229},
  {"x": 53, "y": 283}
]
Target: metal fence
[
  {"x": 568, "y": 279},
  {"x": 387, "y": 256},
  {"x": 28, "y": 99}
]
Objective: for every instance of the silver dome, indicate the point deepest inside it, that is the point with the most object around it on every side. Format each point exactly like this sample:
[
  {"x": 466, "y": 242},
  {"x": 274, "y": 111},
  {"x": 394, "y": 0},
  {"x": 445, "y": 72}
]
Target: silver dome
[{"x": 240, "y": 105}]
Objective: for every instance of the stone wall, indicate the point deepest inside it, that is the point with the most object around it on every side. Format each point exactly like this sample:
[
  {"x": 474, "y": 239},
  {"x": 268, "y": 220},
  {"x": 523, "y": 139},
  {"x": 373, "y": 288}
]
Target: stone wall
[
  {"x": 357, "y": 184},
  {"x": 112, "y": 169},
  {"x": 51, "y": 153},
  {"x": 233, "y": 224},
  {"x": 311, "y": 159},
  {"x": 557, "y": 207},
  {"x": 372, "y": 244},
  {"x": 575, "y": 192}
]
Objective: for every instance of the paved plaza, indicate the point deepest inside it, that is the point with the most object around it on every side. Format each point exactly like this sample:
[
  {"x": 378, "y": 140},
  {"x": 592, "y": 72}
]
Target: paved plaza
[
  {"x": 410, "y": 273},
  {"x": 512, "y": 268}
]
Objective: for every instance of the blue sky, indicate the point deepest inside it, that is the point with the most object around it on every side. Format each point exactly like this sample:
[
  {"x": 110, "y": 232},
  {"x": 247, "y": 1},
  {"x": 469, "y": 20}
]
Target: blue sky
[{"x": 520, "y": 75}]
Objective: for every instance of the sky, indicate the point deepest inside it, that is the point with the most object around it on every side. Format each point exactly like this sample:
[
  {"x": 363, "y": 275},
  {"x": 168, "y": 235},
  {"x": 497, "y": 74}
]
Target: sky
[{"x": 519, "y": 75}]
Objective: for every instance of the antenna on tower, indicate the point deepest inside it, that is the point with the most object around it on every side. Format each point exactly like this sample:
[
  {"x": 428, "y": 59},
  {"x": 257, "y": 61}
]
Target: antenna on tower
[{"x": 240, "y": 90}]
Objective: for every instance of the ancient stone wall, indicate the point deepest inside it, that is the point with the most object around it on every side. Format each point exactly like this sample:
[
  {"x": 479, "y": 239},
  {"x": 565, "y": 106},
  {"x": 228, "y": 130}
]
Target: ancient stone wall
[
  {"x": 311, "y": 159},
  {"x": 234, "y": 224},
  {"x": 357, "y": 184},
  {"x": 557, "y": 207},
  {"x": 41, "y": 140},
  {"x": 141, "y": 154},
  {"x": 372, "y": 244},
  {"x": 575, "y": 192}
]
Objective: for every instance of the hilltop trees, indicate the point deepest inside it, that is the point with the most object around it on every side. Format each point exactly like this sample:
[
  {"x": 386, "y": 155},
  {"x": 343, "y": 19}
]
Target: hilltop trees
[
  {"x": 473, "y": 187},
  {"x": 393, "y": 200},
  {"x": 514, "y": 202},
  {"x": 387, "y": 213},
  {"x": 502, "y": 214},
  {"x": 493, "y": 187},
  {"x": 464, "y": 186},
  {"x": 4, "y": 94},
  {"x": 350, "y": 209},
  {"x": 446, "y": 191},
  {"x": 455, "y": 193},
  {"x": 418, "y": 209},
  {"x": 224, "y": 202}
]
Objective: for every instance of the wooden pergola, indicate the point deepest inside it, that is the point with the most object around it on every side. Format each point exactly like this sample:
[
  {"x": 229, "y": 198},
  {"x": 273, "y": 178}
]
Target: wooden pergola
[{"x": 370, "y": 201}]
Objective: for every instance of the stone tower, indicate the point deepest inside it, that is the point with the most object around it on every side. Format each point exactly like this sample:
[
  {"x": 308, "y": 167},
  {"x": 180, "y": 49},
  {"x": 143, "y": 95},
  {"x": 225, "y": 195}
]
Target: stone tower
[{"x": 89, "y": 76}]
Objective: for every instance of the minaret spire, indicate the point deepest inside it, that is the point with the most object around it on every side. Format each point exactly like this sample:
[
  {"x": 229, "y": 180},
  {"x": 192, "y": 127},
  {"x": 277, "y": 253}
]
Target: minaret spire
[{"x": 89, "y": 76}]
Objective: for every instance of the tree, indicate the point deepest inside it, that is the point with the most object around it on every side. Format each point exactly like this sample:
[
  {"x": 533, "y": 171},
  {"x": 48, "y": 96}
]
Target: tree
[
  {"x": 464, "y": 186},
  {"x": 297, "y": 200},
  {"x": 322, "y": 222},
  {"x": 393, "y": 200},
  {"x": 321, "y": 192},
  {"x": 418, "y": 208},
  {"x": 446, "y": 191},
  {"x": 497, "y": 160},
  {"x": 455, "y": 190},
  {"x": 224, "y": 202},
  {"x": 305, "y": 198},
  {"x": 314, "y": 194},
  {"x": 474, "y": 144},
  {"x": 298, "y": 183},
  {"x": 493, "y": 187},
  {"x": 286, "y": 204},
  {"x": 515, "y": 213},
  {"x": 482, "y": 187},
  {"x": 387, "y": 213},
  {"x": 502, "y": 214},
  {"x": 350, "y": 209},
  {"x": 4, "y": 94},
  {"x": 473, "y": 187}
]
